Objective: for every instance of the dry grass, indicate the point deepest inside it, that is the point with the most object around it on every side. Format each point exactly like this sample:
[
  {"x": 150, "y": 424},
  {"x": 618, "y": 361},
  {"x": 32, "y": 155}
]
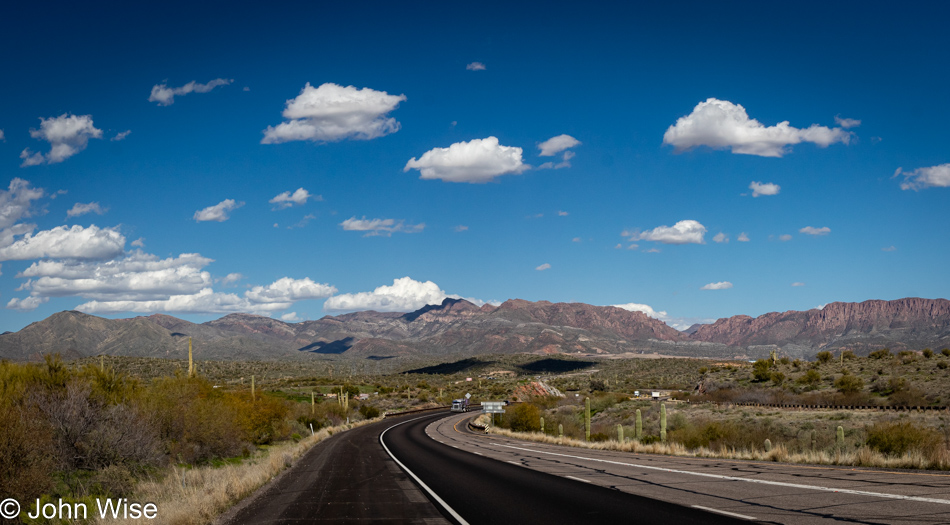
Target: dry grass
[
  {"x": 861, "y": 457},
  {"x": 198, "y": 495}
]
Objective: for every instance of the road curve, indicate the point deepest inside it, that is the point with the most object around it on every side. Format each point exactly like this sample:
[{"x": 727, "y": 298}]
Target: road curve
[
  {"x": 748, "y": 490},
  {"x": 481, "y": 490}
]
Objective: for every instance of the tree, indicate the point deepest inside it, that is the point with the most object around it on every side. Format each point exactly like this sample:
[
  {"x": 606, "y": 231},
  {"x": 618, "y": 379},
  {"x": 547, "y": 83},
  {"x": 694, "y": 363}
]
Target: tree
[
  {"x": 823, "y": 356},
  {"x": 761, "y": 370},
  {"x": 849, "y": 384}
]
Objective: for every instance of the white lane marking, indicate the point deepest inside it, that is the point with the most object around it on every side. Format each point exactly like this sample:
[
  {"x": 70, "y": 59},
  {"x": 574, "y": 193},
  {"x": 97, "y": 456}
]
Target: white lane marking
[
  {"x": 748, "y": 480},
  {"x": 577, "y": 479},
  {"x": 514, "y": 463},
  {"x": 717, "y": 511},
  {"x": 419, "y": 481},
  {"x": 479, "y": 453}
]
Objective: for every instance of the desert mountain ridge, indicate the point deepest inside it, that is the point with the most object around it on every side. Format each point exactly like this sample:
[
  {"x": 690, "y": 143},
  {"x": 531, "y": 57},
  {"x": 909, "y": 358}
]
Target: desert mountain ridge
[{"x": 457, "y": 327}]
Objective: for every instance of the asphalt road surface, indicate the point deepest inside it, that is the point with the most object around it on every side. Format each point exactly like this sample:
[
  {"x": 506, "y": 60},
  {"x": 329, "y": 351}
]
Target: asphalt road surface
[{"x": 745, "y": 490}]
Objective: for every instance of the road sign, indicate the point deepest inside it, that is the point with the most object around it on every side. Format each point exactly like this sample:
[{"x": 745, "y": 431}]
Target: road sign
[
  {"x": 493, "y": 407},
  {"x": 468, "y": 396}
]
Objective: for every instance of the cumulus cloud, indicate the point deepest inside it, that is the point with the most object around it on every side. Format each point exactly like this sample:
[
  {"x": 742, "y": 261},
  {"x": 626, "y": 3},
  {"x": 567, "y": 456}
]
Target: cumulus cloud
[
  {"x": 809, "y": 230},
  {"x": 798, "y": 284},
  {"x": 73, "y": 242},
  {"x": 26, "y": 304},
  {"x": 683, "y": 232},
  {"x": 721, "y": 237},
  {"x": 139, "y": 243},
  {"x": 2, "y": 137},
  {"x": 405, "y": 295},
  {"x": 67, "y": 136},
  {"x": 722, "y": 285},
  {"x": 16, "y": 202},
  {"x": 121, "y": 135},
  {"x": 921, "y": 178},
  {"x": 290, "y": 317},
  {"x": 82, "y": 209},
  {"x": 543, "y": 267},
  {"x": 647, "y": 309},
  {"x": 331, "y": 113},
  {"x": 297, "y": 198},
  {"x": 565, "y": 162},
  {"x": 165, "y": 96},
  {"x": 475, "y": 66},
  {"x": 262, "y": 300},
  {"x": 476, "y": 161},
  {"x": 380, "y": 227},
  {"x": 231, "y": 278},
  {"x": 135, "y": 277},
  {"x": 742, "y": 237},
  {"x": 767, "y": 188},
  {"x": 720, "y": 124},
  {"x": 220, "y": 212},
  {"x": 785, "y": 237},
  {"x": 555, "y": 145},
  {"x": 847, "y": 123}
]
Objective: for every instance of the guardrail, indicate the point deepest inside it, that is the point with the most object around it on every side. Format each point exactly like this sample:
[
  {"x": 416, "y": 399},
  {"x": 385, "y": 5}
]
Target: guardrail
[
  {"x": 829, "y": 407},
  {"x": 393, "y": 414}
]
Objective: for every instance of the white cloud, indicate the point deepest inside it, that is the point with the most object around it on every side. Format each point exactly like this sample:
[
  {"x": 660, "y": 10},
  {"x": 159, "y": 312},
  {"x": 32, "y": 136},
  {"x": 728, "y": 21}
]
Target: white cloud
[
  {"x": 722, "y": 285},
  {"x": 475, "y": 66},
  {"x": 634, "y": 247},
  {"x": 135, "y": 277},
  {"x": 16, "y": 201},
  {"x": 796, "y": 284},
  {"x": 743, "y": 237},
  {"x": 683, "y": 232},
  {"x": 82, "y": 209},
  {"x": 380, "y": 227},
  {"x": 647, "y": 309},
  {"x": 476, "y": 161},
  {"x": 461, "y": 228},
  {"x": 220, "y": 212},
  {"x": 121, "y": 135},
  {"x": 298, "y": 198},
  {"x": 2, "y": 137},
  {"x": 565, "y": 162},
  {"x": 721, "y": 237},
  {"x": 785, "y": 237},
  {"x": 73, "y": 242},
  {"x": 847, "y": 123},
  {"x": 332, "y": 112},
  {"x": 767, "y": 188},
  {"x": 290, "y": 317},
  {"x": 67, "y": 135},
  {"x": 555, "y": 145},
  {"x": 405, "y": 295},
  {"x": 26, "y": 304},
  {"x": 287, "y": 290},
  {"x": 576, "y": 239},
  {"x": 139, "y": 243},
  {"x": 165, "y": 96},
  {"x": 920, "y": 178},
  {"x": 809, "y": 230},
  {"x": 562, "y": 214},
  {"x": 720, "y": 124},
  {"x": 889, "y": 249},
  {"x": 543, "y": 267},
  {"x": 231, "y": 278}
]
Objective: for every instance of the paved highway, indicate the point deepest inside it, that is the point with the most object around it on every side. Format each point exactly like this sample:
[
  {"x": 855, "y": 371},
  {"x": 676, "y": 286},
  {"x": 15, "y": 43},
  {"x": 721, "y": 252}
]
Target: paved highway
[{"x": 745, "y": 490}]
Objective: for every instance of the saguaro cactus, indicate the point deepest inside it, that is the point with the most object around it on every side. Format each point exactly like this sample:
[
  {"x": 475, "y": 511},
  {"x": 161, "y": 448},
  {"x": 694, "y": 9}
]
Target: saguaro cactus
[
  {"x": 252, "y": 388},
  {"x": 839, "y": 437},
  {"x": 542, "y": 424},
  {"x": 620, "y": 433},
  {"x": 587, "y": 418},
  {"x": 768, "y": 445},
  {"x": 663, "y": 422},
  {"x": 191, "y": 366},
  {"x": 639, "y": 428},
  {"x": 560, "y": 430},
  {"x": 313, "y": 404}
]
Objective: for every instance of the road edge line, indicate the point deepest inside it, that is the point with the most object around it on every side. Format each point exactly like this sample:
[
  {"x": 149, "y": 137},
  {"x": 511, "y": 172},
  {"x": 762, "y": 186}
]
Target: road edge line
[
  {"x": 727, "y": 513},
  {"x": 431, "y": 492}
]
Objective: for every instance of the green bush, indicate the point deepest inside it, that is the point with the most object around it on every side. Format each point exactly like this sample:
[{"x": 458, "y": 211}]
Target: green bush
[
  {"x": 898, "y": 438},
  {"x": 811, "y": 377},
  {"x": 928, "y": 353},
  {"x": 761, "y": 370},
  {"x": 849, "y": 384},
  {"x": 523, "y": 417},
  {"x": 823, "y": 357},
  {"x": 945, "y": 352},
  {"x": 369, "y": 411},
  {"x": 880, "y": 354}
]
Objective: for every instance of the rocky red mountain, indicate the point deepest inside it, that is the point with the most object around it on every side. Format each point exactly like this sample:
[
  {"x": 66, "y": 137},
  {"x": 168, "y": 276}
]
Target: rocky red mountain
[{"x": 459, "y": 328}]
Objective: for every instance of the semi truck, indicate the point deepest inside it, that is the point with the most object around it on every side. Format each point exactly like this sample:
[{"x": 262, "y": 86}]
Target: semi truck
[{"x": 460, "y": 405}]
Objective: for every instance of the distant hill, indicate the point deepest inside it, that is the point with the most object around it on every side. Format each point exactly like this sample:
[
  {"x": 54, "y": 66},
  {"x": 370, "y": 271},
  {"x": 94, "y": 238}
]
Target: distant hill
[{"x": 459, "y": 328}]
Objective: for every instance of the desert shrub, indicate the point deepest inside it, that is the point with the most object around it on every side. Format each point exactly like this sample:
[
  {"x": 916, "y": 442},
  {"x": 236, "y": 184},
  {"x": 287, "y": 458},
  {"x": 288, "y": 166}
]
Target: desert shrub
[
  {"x": 523, "y": 417},
  {"x": 810, "y": 377},
  {"x": 823, "y": 357},
  {"x": 849, "y": 384},
  {"x": 262, "y": 420},
  {"x": 942, "y": 365},
  {"x": 26, "y": 454},
  {"x": 908, "y": 396},
  {"x": 761, "y": 370},
  {"x": 369, "y": 411},
  {"x": 778, "y": 378},
  {"x": 945, "y": 352},
  {"x": 848, "y": 355},
  {"x": 880, "y": 354},
  {"x": 928, "y": 353},
  {"x": 898, "y": 438}
]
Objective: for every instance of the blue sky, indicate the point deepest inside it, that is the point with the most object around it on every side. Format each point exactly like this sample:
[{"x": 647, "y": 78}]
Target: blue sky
[{"x": 302, "y": 159}]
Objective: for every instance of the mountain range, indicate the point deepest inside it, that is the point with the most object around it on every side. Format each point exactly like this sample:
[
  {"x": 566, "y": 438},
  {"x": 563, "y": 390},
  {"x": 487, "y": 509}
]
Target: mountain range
[{"x": 459, "y": 328}]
